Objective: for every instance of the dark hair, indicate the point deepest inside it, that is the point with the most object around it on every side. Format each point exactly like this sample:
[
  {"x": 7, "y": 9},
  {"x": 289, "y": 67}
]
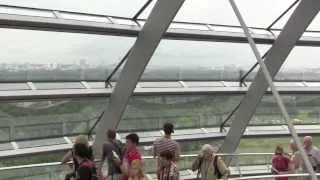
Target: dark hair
[
  {"x": 168, "y": 155},
  {"x": 133, "y": 137},
  {"x": 111, "y": 134},
  {"x": 168, "y": 128},
  {"x": 81, "y": 150}
]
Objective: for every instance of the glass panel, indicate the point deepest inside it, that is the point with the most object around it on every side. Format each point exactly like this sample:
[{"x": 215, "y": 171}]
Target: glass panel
[
  {"x": 160, "y": 84},
  {"x": 109, "y": 7},
  {"x": 227, "y": 29},
  {"x": 84, "y": 17},
  {"x": 301, "y": 65},
  {"x": 72, "y": 85},
  {"x": 189, "y": 113},
  {"x": 182, "y": 110},
  {"x": 203, "y": 84},
  {"x": 189, "y": 26},
  {"x": 99, "y": 85},
  {"x": 13, "y": 86},
  {"x": 25, "y": 12},
  {"x": 207, "y": 61},
  {"x": 6, "y": 146},
  {"x": 124, "y": 22},
  {"x": 231, "y": 84},
  {"x": 52, "y": 118},
  {"x": 27, "y": 55},
  {"x": 255, "y": 14},
  {"x": 263, "y": 145},
  {"x": 204, "y": 11},
  {"x": 43, "y": 142},
  {"x": 313, "y": 84},
  {"x": 288, "y": 84},
  {"x": 315, "y": 24}
]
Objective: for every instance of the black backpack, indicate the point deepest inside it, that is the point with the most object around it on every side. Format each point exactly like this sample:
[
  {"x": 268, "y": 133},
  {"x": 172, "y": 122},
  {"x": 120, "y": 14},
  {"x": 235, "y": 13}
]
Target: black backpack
[{"x": 216, "y": 169}]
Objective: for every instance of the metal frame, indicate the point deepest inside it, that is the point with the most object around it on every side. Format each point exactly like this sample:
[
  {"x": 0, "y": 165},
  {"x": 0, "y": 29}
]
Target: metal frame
[
  {"x": 148, "y": 40},
  {"x": 282, "y": 14},
  {"x": 90, "y": 27},
  {"x": 304, "y": 13},
  {"x": 24, "y": 95}
]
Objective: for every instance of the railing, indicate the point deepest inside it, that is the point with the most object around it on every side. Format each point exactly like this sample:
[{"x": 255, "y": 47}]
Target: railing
[
  {"x": 265, "y": 177},
  {"x": 55, "y": 170}
]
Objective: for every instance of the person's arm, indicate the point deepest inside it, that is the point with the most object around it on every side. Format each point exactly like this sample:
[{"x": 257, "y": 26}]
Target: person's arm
[
  {"x": 154, "y": 150},
  {"x": 178, "y": 152},
  {"x": 131, "y": 170},
  {"x": 67, "y": 157},
  {"x": 84, "y": 173},
  {"x": 222, "y": 168}
]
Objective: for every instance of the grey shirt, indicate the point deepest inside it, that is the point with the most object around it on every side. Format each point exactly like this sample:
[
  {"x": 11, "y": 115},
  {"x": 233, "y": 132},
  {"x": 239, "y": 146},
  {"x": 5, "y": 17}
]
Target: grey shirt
[
  {"x": 314, "y": 157},
  {"x": 107, "y": 154}
]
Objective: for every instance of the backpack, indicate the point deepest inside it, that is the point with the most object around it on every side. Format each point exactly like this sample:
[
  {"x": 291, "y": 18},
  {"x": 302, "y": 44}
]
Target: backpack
[
  {"x": 119, "y": 148},
  {"x": 216, "y": 169},
  {"x": 90, "y": 165},
  {"x": 217, "y": 173}
]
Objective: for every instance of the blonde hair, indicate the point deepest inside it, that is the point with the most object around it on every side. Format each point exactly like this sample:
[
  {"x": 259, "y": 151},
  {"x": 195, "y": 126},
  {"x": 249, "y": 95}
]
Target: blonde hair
[
  {"x": 81, "y": 139},
  {"x": 206, "y": 150}
]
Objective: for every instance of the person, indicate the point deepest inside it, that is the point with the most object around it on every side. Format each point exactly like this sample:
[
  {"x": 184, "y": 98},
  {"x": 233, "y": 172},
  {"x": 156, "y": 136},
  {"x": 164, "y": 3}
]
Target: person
[
  {"x": 111, "y": 146},
  {"x": 166, "y": 144},
  {"x": 209, "y": 165},
  {"x": 280, "y": 163},
  {"x": 312, "y": 152},
  {"x": 86, "y": 169},
  {"x": 131, "y": 165},
  {"x": 168, "y": 170},
  {"x": 295, "y": 164},
  {"x": 69, "y": 156}
]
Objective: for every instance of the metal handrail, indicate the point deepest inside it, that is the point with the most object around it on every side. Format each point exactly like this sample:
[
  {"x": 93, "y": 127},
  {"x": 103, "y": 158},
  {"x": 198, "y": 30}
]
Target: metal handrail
[
  {"x": 144, "y": 157},
  {"x": 273, "y": 176}
]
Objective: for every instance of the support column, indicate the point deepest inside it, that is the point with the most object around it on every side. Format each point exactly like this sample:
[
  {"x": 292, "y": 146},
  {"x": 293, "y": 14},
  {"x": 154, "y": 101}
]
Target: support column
[
  {"x": 295, "y": 27},
  {"x": 149, "y": 38}
]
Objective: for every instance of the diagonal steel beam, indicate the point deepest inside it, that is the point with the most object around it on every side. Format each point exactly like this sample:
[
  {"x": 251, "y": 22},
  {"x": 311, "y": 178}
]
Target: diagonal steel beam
[
  {"x": 295, "y": 27},
  {"x": 149, "y": 38},
  {"x": 275, "y": 92}
]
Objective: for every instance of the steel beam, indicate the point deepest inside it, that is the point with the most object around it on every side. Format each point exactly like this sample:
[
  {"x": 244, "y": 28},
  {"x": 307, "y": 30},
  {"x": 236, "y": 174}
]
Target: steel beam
[
  {"x": 148, "y": 40},
  {"x": 54, "y": 24},
  {"x": 304, "y": 14}
]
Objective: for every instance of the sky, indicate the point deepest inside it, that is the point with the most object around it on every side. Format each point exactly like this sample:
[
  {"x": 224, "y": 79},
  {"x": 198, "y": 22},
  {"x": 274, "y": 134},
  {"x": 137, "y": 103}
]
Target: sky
[{"x": 52, "y": 47}]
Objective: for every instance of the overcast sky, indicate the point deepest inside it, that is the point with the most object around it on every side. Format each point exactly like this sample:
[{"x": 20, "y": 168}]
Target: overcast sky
[{"x": 48, "y": 47}]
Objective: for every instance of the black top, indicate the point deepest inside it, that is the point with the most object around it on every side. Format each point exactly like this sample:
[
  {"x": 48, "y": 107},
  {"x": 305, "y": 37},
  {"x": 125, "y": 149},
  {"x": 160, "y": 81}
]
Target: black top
[{"x": 89, "y": 156}]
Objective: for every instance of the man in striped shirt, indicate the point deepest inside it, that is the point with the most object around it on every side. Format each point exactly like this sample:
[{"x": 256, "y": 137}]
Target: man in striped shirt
[{"x": 165, "y": 143}]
